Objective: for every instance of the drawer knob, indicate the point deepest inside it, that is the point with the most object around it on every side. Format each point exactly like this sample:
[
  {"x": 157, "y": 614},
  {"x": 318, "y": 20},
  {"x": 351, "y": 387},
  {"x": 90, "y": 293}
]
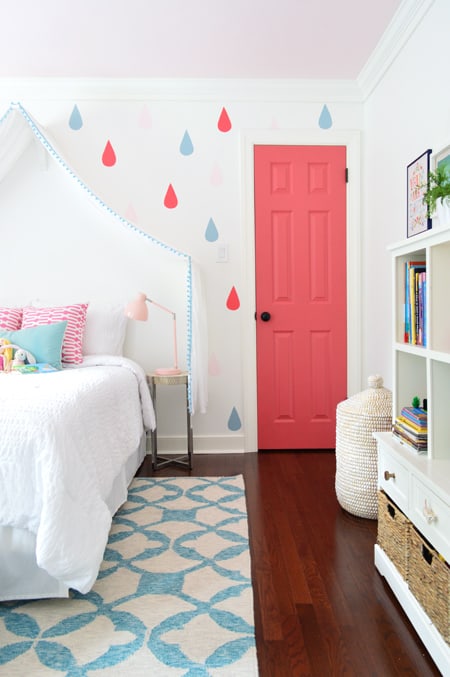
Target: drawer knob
[
  {"x": 389, "y": 475},
  {"x": 429, "y": 513}
]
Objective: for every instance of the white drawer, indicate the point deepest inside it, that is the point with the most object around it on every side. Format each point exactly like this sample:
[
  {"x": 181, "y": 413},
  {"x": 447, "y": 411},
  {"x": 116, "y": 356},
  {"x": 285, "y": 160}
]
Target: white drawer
[
  {"x": 393, "y": 478},
  {"x": 431, "y": 515}
]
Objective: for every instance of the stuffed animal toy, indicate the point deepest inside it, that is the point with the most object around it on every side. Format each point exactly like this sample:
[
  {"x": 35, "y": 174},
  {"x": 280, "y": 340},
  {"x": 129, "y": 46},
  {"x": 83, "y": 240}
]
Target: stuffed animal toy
[
  {"x": 20, "y": 357},
  {"x": 6, "y": 350}
]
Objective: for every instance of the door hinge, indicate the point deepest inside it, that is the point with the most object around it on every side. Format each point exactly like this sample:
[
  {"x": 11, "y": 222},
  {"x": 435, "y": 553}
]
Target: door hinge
[{"x": 346, "y": 175}]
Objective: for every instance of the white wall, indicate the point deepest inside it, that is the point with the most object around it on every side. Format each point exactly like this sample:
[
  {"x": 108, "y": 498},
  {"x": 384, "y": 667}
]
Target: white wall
[
  {"x": 146, "y": 123},
  {"x": 405, "y": 115}
]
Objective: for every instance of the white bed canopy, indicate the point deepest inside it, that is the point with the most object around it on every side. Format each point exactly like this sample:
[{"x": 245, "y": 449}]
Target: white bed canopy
[{"x": 59, "y": 241}]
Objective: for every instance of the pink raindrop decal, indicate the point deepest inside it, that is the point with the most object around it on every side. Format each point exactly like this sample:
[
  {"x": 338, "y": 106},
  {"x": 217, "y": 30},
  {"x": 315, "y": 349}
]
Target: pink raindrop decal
[
  {"x": 216, "y": 176},
  {"x": 109, "y": 156},
  {"x": 130, "y": 214},
  {"x": 224, "y": 123},
  {"x": 213, "y": 366},
  {"x": 234, "y": 422},
  {"x": 170, "y": 200},
  {"x": 75, "y": 120},
  {"x": 233, "y": 302},
  {"x": 145, "y": 120}
]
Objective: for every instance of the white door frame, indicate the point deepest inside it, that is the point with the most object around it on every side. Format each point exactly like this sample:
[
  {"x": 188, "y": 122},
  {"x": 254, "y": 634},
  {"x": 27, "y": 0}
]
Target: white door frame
[{"x": 350, "y": 139}]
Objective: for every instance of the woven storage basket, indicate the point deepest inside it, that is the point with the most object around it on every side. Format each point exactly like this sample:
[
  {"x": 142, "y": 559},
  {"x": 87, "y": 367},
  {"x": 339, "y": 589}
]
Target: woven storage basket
[
  {"x": 357, "y": 418},
  {"x": 429, "y": 581},
  {"x": 393, "y": 534}
]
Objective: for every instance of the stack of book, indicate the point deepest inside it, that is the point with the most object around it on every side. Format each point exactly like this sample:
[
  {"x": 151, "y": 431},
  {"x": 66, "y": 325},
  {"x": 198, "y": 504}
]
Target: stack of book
[
  {"x": 411, "y": 428},
  {"x": 415, "y": 303}
]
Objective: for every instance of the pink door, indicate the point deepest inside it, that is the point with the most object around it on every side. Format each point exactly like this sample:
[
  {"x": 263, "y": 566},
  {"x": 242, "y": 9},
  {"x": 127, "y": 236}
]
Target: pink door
[{"x": 301, "y": 304}]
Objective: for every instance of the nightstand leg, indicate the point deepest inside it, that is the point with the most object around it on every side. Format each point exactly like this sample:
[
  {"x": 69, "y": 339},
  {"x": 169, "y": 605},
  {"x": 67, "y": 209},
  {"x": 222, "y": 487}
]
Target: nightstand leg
[
  {"x": 190, "y": 436},
  {"x": 154, "y": 435}
]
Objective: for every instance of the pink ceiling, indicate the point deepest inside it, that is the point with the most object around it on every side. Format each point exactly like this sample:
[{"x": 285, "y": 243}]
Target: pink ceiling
[{"x": 191, "y": 38}]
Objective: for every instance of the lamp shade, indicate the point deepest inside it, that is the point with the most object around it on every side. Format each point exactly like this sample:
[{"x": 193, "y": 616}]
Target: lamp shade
[{"x": 137, "y": 309}]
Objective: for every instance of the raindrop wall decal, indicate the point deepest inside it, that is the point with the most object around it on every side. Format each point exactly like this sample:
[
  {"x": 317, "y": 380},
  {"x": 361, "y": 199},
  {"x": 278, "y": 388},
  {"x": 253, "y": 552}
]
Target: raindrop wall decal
[
  {"x": 75, "y": 120},
  {"x": 145, "y": 120},
  {"x": 234, "y": 422},
  {"x": 130, "y": 214},
  {"x": 233, "y": 302},
  {"x": 325, "y": 121},
  {"x": 224, "y": 123},
  {"x": 216, "y": 176},
  {"x": 109, "y": 156},
  {"x": 213, "y": 366},
  {"x": 211, "y": 233},
  {"x": 186, "y": 147},
  {"x": 170, "y": 199}
]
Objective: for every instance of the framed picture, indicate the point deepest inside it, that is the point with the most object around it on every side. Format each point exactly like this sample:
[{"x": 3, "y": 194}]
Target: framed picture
[
  {"x": 418, "y": 218},
  {"x": 442, "y": 159}
]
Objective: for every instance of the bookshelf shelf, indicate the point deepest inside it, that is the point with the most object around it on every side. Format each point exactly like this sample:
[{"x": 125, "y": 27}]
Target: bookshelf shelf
[
  {"x": 418, "y": 482},
  {"x": 423, "y": 370}
]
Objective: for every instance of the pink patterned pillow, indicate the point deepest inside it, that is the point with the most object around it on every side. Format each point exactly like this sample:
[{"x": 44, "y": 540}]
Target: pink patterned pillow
[
  {"x": 72, "y": 348},
  {"x": 10, "y": 318}
]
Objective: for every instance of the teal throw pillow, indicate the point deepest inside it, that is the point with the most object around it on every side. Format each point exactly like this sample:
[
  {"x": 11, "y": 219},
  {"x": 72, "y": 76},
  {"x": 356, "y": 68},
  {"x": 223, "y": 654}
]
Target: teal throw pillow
[{"x": 43, "y": 341}]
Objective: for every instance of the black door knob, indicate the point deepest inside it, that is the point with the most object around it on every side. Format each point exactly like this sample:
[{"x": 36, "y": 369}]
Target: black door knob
[{"x": 265, "y": 316}]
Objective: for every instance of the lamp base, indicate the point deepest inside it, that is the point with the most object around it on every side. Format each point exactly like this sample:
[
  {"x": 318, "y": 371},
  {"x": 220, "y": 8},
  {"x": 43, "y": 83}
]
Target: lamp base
[{"x": 169, "y": 371}]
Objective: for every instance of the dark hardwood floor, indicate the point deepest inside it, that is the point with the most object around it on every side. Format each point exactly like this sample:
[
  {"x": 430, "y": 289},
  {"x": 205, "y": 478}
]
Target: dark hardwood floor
[{"x": 321, "y": 608}]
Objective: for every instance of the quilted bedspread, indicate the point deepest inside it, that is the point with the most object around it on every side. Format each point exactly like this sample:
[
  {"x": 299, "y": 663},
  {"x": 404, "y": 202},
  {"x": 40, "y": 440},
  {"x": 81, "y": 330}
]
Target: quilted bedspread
[{"x": 63, "y": 438}]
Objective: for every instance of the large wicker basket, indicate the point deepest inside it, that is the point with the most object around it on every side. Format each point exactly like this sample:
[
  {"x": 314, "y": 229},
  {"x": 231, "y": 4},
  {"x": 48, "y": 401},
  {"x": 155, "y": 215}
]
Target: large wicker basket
[
  {"x": 393, "y": 534},
  {"x": 429, "y": 581},
  {"x": 357, "y": 418}
]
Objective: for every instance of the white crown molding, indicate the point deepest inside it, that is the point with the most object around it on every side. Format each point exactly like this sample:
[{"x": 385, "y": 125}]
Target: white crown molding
[
  {"x": 403, "y": 24},
  {"x": 154, "y": 89},
  {"x": 405, "y": 21}
]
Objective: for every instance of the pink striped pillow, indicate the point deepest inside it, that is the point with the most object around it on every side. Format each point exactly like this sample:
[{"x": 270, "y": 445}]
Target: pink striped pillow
[
  {"x": 10, "y": 318},
  {"x": 72, "y": 348}
]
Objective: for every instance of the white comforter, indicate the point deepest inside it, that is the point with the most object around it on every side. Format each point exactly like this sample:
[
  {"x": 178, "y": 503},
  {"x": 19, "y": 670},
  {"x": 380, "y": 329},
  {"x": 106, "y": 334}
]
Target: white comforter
[{"x": 63, "y": 439}]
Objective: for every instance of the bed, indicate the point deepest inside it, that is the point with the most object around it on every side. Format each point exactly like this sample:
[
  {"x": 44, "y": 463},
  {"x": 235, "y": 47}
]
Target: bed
[{"x": 72, "y": 438}]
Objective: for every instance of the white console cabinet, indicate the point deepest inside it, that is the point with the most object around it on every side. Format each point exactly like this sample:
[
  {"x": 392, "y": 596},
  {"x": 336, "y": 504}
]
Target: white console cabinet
[{"x": 420, "y": 484}]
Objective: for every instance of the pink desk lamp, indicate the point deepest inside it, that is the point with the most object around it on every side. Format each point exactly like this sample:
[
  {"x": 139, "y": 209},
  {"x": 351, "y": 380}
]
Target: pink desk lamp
[{"x": 137, "y": 310}]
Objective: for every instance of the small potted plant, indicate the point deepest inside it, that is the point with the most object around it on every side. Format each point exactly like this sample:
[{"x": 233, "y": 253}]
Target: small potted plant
[{"x": 437, "y": 195}]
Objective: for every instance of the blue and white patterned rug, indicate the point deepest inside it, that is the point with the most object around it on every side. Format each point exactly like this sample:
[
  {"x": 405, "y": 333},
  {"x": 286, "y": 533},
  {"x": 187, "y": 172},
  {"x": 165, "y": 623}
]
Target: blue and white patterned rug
[{"x": 173, "y": 597}]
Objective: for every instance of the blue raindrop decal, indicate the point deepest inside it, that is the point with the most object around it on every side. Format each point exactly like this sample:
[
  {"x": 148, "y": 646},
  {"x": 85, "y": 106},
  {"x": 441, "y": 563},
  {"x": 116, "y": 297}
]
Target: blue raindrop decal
[
  {"x": 325, "y": 121},
  {"x": 211, "y": 232},
  {"x": 186, "y": 147},
  {"x": 75, "y": 120},
  {"x": 234, "y": 422}
]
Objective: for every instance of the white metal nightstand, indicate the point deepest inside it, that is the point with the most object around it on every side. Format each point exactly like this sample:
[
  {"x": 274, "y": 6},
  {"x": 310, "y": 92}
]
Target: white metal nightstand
[{"x": 184, "y": 460}]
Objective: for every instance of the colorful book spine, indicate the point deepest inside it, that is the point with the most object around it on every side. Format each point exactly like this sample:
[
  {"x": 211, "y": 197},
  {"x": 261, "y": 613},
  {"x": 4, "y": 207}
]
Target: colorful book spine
[
  {"x": 418, "y": 448},
  {"x": 415, "y": 299},
  {"x": 412, "y": 427},
  {"x": 415, "y": 414}
]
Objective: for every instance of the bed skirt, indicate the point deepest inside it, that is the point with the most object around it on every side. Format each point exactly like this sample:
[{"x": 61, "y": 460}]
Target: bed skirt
[{"x": 20, "y": 576}]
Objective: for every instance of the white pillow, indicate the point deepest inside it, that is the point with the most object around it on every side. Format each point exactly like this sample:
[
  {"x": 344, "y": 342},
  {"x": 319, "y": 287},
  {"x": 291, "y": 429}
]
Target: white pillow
[{"x": 106, "y": 326}]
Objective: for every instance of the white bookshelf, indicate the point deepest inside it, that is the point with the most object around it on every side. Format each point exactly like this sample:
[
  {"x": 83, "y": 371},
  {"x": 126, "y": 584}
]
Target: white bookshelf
[
  {"x": 418, "y": 483},
  {"x": 425, "y": 370}
]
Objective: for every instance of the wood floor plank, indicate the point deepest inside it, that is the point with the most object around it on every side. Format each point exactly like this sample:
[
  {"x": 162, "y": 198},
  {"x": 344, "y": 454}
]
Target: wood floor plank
[{"x": 321, "y": 608}]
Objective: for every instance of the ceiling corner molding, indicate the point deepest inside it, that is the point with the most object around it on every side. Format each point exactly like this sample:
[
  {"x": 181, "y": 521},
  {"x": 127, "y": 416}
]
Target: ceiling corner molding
[
  {"x": 403, "y": 24},
  {"x": 174, "y": 89}
]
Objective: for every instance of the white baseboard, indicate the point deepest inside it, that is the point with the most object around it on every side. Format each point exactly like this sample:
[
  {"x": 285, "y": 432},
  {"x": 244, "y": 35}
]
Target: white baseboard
[{"x": 203, "y": 444}]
